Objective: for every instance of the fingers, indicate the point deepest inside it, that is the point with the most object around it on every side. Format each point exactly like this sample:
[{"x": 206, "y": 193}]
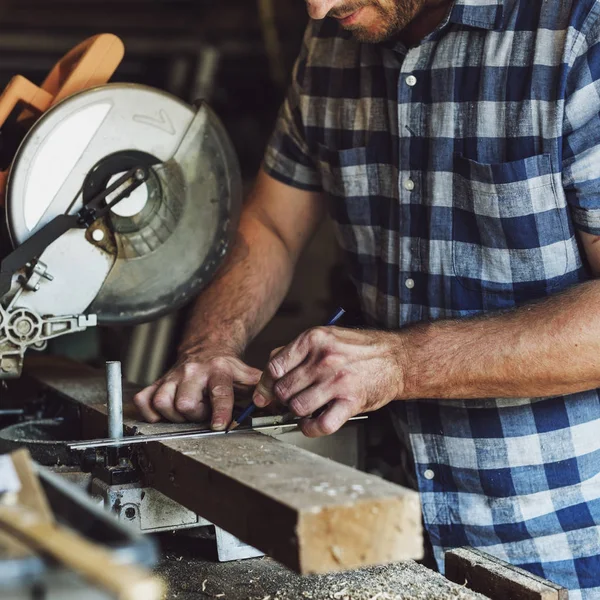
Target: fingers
[
  {"x": 263, "y": 394},
  {"x": 143, "y": 402},
  {"x": 310, "y": 400},
  {"x": 329, "y": 421},
  {"x": 193, "y": 387},
  {"x": 190, "y": 402},
  {"x": 164, "y": 402},
  {"x": 220, "y": 389},
  {"x": 294, "y": 354},
  {"x": 245, "y": 375}
]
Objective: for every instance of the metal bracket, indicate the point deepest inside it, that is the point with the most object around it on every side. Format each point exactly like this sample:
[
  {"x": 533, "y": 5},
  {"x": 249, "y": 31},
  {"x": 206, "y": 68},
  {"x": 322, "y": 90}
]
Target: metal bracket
[
  {"x": 21, "y": 328},
  {"x": 149, "y": 511}
]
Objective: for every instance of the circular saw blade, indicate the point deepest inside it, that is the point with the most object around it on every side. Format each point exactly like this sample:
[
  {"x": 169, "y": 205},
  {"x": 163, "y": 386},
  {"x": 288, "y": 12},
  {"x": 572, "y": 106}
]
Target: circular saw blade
[{"x": 172, "y": 234}]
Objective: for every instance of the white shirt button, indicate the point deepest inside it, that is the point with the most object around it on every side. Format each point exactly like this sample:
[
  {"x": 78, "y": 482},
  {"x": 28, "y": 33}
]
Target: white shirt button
[
  {"x": 429, "y": 474},
  {"x": 411, "y": 80},
  {"x": 410, "y": 283},
  {"x": 409, "y": 185}
]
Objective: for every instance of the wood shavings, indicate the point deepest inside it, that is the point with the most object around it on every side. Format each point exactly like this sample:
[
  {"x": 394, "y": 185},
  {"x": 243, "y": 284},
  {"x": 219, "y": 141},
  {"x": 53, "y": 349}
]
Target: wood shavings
[{"x": 231, "y": 581}]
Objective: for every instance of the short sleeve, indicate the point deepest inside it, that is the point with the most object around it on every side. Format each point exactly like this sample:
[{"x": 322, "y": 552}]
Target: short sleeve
[
  {"x": 581, "y": 131},
  {"x": 287, "y": 157}
]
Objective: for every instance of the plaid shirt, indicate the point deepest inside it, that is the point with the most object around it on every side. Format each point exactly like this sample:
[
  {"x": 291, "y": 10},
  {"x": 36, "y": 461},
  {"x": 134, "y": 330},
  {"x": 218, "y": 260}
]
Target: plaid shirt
[{"x": 457, "y": 173}]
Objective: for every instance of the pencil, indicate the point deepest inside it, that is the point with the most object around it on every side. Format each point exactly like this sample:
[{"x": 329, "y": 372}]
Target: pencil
[{"x": 339, "y": 313}]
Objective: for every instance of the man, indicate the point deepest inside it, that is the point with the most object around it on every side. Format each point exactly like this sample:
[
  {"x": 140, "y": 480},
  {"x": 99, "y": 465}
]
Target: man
[{"x": 457, "y": 147}]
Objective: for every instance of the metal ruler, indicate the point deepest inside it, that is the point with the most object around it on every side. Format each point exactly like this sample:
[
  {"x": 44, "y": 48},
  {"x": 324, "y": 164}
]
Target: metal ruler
[{"x": 182, "y": 435}]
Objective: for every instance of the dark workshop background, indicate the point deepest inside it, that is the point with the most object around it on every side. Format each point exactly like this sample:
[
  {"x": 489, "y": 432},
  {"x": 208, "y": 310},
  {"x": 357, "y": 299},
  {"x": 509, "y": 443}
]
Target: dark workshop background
[{"x": 236, "y": 54}]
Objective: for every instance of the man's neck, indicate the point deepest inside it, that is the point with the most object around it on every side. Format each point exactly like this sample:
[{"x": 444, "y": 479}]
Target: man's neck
[{"x": 427, "y": 20}]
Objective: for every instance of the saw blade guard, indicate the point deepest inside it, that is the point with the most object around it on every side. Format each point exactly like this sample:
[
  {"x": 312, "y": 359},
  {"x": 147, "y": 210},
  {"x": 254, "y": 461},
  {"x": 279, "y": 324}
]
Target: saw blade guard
[{"x": 158, "y": 248}]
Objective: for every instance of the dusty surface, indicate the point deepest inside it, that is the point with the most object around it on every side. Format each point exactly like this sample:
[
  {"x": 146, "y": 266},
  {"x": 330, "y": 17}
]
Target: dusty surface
[{"x": 193, "y": 578}]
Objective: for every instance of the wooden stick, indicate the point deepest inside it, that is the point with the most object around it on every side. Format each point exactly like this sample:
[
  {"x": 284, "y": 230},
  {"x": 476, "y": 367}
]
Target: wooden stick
[
  {"x": 92, "y": 562},
  {"x": 31, "y": 522}
]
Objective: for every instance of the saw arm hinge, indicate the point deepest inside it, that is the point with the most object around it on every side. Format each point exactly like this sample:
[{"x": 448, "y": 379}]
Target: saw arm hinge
[{"x": 22, "y": 328}]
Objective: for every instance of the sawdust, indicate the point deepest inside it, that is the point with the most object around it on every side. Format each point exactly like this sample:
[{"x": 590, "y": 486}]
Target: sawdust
[
  {"x": 195, "y": 578},
  {"x": 406, "y": 581}
]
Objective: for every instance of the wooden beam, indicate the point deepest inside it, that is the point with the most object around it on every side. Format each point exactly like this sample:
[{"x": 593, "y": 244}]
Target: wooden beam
[
  {"x": 310, "y": 513},
  {"x": 497, "y": 579}
]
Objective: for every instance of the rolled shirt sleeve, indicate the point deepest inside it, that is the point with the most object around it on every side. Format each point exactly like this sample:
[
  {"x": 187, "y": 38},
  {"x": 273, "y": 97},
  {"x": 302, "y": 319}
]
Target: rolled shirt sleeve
[
  {"x": 581, "y": 130},
  {"x": 287, "y": 157}
]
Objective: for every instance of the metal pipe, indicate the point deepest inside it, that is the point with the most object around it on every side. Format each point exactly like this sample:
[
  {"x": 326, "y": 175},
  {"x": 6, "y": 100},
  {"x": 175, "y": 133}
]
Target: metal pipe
[{"x": 114, "y": 389}]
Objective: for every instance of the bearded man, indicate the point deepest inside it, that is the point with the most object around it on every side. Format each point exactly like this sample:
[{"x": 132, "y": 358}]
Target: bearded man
[{"x": 456, "y": 146}]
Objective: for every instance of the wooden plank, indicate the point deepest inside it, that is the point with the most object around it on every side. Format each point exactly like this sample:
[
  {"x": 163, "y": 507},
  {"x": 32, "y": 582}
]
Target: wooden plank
[
  {"x": 311, "y": 514},
  {"x": 497, "y": 579}
]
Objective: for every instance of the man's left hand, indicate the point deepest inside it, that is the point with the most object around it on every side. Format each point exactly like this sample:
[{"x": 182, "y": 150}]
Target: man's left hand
[{"x": 346, "y": 371}]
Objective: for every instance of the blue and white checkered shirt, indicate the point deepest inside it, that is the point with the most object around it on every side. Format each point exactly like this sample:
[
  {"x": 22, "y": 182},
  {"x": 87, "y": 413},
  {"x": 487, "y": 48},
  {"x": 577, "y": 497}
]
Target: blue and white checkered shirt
[{"x": 457, "y": 174}]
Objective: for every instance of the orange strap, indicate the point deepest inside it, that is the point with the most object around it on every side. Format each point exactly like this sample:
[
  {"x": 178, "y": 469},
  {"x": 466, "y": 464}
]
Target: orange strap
[{"x": 89, "y": 64}]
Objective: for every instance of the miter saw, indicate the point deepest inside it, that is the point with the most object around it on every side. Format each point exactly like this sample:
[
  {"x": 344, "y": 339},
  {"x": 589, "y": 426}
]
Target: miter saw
[{"x": 120, "y": 202}]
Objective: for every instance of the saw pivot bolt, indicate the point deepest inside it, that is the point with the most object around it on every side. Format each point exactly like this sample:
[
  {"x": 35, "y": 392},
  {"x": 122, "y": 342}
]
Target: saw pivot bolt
[{"x": 97, "y": 235}]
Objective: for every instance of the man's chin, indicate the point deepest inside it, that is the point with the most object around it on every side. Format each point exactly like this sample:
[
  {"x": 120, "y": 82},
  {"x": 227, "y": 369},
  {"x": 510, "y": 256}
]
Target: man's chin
[{"x": 367, "y": 35}]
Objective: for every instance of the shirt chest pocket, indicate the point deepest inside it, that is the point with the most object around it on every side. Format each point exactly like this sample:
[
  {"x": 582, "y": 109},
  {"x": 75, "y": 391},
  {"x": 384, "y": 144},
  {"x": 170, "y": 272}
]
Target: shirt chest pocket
[{"x": 510, "y": 230}]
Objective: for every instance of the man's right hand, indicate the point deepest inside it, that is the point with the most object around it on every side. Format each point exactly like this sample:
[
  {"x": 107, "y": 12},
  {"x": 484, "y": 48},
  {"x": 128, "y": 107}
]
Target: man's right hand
[{"x": 198, "y": 386}]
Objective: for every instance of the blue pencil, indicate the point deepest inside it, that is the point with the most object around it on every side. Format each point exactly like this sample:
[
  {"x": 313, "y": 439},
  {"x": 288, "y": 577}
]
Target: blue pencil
[{"x": 339, "y": 313}]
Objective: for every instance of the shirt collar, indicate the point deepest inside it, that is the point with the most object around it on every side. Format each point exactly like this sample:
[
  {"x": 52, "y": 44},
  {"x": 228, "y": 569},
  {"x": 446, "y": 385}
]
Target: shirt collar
[{"x": 484, "y": 14}]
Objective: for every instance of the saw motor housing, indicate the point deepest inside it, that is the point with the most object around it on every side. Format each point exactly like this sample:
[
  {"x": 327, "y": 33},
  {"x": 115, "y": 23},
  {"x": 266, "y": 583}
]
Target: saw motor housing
[{"x": 121, "y": 202}]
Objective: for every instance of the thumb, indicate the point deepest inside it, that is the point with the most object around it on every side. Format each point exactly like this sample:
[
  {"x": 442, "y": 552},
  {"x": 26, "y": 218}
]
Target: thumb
[{"x": 244, "y": 374}]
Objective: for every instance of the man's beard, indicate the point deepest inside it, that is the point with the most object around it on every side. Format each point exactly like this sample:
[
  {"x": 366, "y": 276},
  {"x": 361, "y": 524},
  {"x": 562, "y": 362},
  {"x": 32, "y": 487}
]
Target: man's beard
[{"x": 395, "y": 16}]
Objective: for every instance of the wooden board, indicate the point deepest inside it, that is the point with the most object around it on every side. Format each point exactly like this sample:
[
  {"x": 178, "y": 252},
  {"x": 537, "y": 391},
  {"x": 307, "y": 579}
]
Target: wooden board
[
  {"x": 497, "y": 579},
  {"x": 311, "y": 514}
]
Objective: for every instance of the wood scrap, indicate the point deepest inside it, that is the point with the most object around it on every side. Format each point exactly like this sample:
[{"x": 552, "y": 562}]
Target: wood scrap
[
  {"x": 31, "y": 522},
  {"x": 497, "y": 579}
]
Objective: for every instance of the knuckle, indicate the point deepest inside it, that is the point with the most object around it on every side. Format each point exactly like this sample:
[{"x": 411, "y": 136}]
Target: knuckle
[
  {"x": 299, "y": 407},
  {"x": 221, "y": 391},
  {"x": 317, "y": 335},
  {"x": 275, "y": 368},
  {"x": 218, "y": 364},
  {"x": 329, "y": 360},
  {"x": 328, "y": 426},
  {"x": 342, "y": 380},
  {"x": 162, "y": 400},
  {"x": 282, "y": 389},
  {"x": 139, "y": 399},
  {"x": 190, "y": 369},
  {"x": 185, "y": 405}
]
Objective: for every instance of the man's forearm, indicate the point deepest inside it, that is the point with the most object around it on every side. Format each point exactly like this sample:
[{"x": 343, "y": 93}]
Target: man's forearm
[
  {"x": 245, "y": 293},
  {"x": 544, "y": 349}
]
